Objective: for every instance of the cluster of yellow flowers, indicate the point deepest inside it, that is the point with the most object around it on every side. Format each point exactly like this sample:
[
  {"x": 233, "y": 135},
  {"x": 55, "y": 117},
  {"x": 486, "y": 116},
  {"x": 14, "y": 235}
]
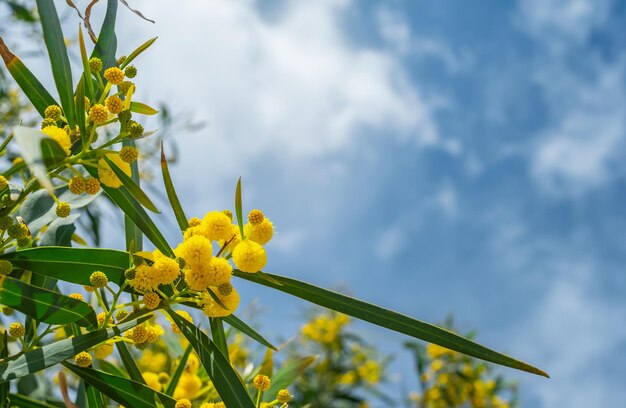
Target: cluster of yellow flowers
[
  {"x": 454, "y": 380},
  {"x": 325, "y": 328}
]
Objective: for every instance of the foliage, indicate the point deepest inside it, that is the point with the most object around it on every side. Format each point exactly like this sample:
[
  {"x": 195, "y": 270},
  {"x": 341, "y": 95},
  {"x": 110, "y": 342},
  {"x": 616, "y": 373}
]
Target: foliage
[{"x": 76, "y": 305}]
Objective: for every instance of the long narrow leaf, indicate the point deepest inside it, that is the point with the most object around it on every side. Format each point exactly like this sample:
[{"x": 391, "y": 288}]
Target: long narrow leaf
[
  {"x": 45, "y": 305},
  {"x": 73, "y": 265},
  {"x": 26, "y": 402},
  {"x": 138, "y": 51},
  {"x": 132, "y": 187},
  {"x": 134, "y": 236},
  {"x": 94, "y": 398},
  {"x": 225, "y": 380},
  {"x": 86, "y": 70},
  {"x": 171, "y": 193},
  {"x": 171, "y": 386},
  {"x": 240, "y": 325},
  {"x": 142, "y": 108},
  {"x": 287, "y": 374},
  {"x": 389, "y": 319},
  {"x": 28, "y": 83},
  {"x": 219, "y": 337},
  {"x": 4, "y": 353},
  {"x": 61, "y": 68},
  {"x": 107, "y": 41},
  {"x": 129, "y": 363},
  {"x": 238, "y": 207},
  {"x": 120, "y": 389},
  {"x": 52, "y": 354}
]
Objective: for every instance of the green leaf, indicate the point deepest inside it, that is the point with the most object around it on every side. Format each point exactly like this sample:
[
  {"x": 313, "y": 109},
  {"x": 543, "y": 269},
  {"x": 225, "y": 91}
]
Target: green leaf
[
  {"x": 137, "y": 214},
  {"x": 127, "y": 392},
  {"x": 240, "y": 325},
  {"x": 73, "y": 265},
  {"x": 86, "y": 71},
  {"x": 52, "y": 354},
  {"x": 219, "y": 338},
  {"x": 40, "y": 152},
  {"x": 136, "y": 53},
  {"x": 388, "y": 319},
  {"x": 142, "y": 108},
  {"x": 129, "y": 363},
  {"x": 60, "y": 232},
  {"x": 225, "y": 379},
  {"x": 94, "y": 398},
  {"x": 171, "y": 386},
  {"x": 286, "y": 375},
  {"x": 106, "y": 45},
  {"x": 4, "y": 353},
  {"x": 238, "y": 205},
  {"x": 25, "y": 402},
  {"x": 171, "y": 193},
  {"x": 132, "y": 187},
  {"x": 134, "y": 236},
  {"x": 28, "y": 83},
  {"x": 61, "y": 68},
  {"x": 44, "y": 305},
  {"x": 80, "y": 107}
]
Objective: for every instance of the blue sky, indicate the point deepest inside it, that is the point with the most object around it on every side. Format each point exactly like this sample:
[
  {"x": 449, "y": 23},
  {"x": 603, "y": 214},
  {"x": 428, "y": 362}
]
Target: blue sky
[{"x": 431, "y": 157}]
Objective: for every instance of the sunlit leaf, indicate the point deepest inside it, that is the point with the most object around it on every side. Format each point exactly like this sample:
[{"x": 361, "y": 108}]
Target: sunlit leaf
[
  {"x": 240, "y": 325},
  {"x": 142, "y": 108},
  {"x": 138, "y": 51},
  {"x": 171, "y": 193}
]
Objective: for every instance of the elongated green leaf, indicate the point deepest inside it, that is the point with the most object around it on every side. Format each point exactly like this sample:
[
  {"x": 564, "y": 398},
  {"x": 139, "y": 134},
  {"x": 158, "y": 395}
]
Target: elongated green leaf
[
  {"x": 28, "y": 83},
  {"x": 134, "y": 236},
  {"x": 73, "y": 265},
  {"x": 4, "y": 387},
  {"x": 286, "y": 375},
  {"x": 25, "y": 402},
  {"x": 61, "y": 68},
  {"x": 238, "y": 207},
  {"x": 136, "y": 53},
  {"x": 106, "y": 46},
  {"x": 225, "y": 380},
  {"x": 142, "y": 108},
  {"x": 44, "y": 305},
  {"x": 132, "y": 187},
  {"x": 94, "y": 398},
  {"x": 171, "y": 386},
  {"x": 80, "y": 106},
  {"x": 240, "y": 325},
  {"x": 52, "y": 354},
  {"x": 120, "y": 389},
  {"x": 137, "y": 214},
  {"x": 388, "y": 319},
  {"x": 129, "y": 363},
  {"x": 171, "y": 193},
  {"x": 89, "y": 89},
  {"x": 219, "y": 337}
]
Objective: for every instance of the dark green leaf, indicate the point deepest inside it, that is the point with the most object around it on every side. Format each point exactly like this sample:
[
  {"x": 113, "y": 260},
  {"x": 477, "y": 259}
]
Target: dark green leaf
[
  {"x": 52, "y": 354},
  {"x": 388, "y": 319},
  {"x": 28, "y": 83},
  {"x": 134, "y": 236},
  {"x": 61, "y": 68},
  {"x": 73, "y": 265},
  {"x": 180, "y": 368},
  {"x": 44, "y": 305},
  {"x": 94, "y": 398},
  {"x": 59, "y": 232},
  {"x": 25, "y": 402},
  {"x": 240, "y": 325},
  {"x": 238, "y": 207},
  {"x": 127, "y": 392},
  {"x": 107, "y": 41},
  {"x": 129, "y": 363},
  {"x": 80, "y": 106},
  {"x": 142, "y": 108},
  {"x": 225, "y": 379},
  {"x": 132, "y": 187},
  {"x": 86, "y": 72},
  {"x": 4, "y": 353},
  {"x": 219, "y": 337},
  {"x": 171, "y": 193},
  {"x": 287, "y": 374}
]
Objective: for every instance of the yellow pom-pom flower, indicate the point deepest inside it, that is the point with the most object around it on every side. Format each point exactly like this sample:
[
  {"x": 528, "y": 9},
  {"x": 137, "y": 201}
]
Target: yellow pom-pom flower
[
  {"x": 103, "y": 351},
  {"x": 98, "y": 279},
  {"x": 185, "y": 316},
  {"x": 121, "y": 314},
  {"x": 144, "y": 280},
  {"x": 114, "y": 75},
  {"x": 255, "y": 217},
  {"x": 249, "y": 256},
  {"x": 214, "y": 273},
  {"x": 165, "y": 270},
  {"x": 260, "y": 233},
  {"x": 189, "y": 385},
  {"x": 76, "y": 185},
  {"x": 98, "y": 113},
  {"x": 114, "y": 104},
  {"x": 77, "y": 296},
  {"x": 194, "y": 222},
  {"x": 4, "y": 183},
  {"x": 83, "y": 359},
  {"x": 16, "y": 330},
  {"x": 129, "y": 154},
  {"x": 154, "y": 331},
  {"x": 95, "y": 64},
  {"x": 261, "y": 382},
  {"x": 283, "y": 396},
  {"x": 182, "y": 403},
  {"x": 106, "y": 175},
  {"x": 63, "y": 209},
  {"x": 217, "y": 225},
  {"x": 92, "y": 186},
  {"x": 101, "y": 316},
  {"x": 152, "y": 380},
  {"x": 151, "y": 300},
  {"x": 53, "y": 112},
  {"x": 213, "y": 309},
  {"x": 196, "y": 250},
  {"x": 60, "y": 136},
  {"x": 138, "y": 334}
]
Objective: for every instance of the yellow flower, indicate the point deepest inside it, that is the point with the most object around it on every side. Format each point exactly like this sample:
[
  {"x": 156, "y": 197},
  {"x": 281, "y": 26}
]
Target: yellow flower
[
  {"x": 153, "y": 361},
  {"x": 261, "y": 233},
  {"x": 60, "y": 136},
  {"x": 76, "y": 185},
  {"x": 16, "y": 330},
  {"x": 153, "y": 332},
  {"x": 151, "y": 300},
  {"x": 144, "y": 280},
  {"x": 98, "y": 279},
  {"x": 114, "y": 104},
  {"x": 77, "y": 296},
  {"x": 106, "y": 175},
  {"x": 255, "y": 217},
  {"x": 193, "y": 364},
  {"x": 261, "y": 382},
  {"x": 98, "y": 113},
  {"x": 212, "y": 309},
  {"x": 217, "y": 225},
  {"x": 129, "y": 154},
  {"x": 83, "y": 359},
  {"x": 249, "y": 256},
  {"x": 165, "y": 270},
  {"x": 103, "y": 351},
  {"x": 53, "y": 112},
  {"x": 63, "y": 209},
  {"x": 152, "y": 380},
  {"x": 92, "y": 186},
  {"x": 188, "y": 386},
  {"x": 283, "y": 396},
  {"x": 436, "y": 351},
  {"x": 114, "y": 75},
  {"x": 214, "y": 273},
  {"x": 196, "y": 250},
  {"x": 182, "y": 403}
]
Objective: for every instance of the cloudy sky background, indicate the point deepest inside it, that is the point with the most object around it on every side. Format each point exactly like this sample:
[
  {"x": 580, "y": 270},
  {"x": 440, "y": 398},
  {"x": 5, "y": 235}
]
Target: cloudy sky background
[{"x": 431, "y": 157}]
